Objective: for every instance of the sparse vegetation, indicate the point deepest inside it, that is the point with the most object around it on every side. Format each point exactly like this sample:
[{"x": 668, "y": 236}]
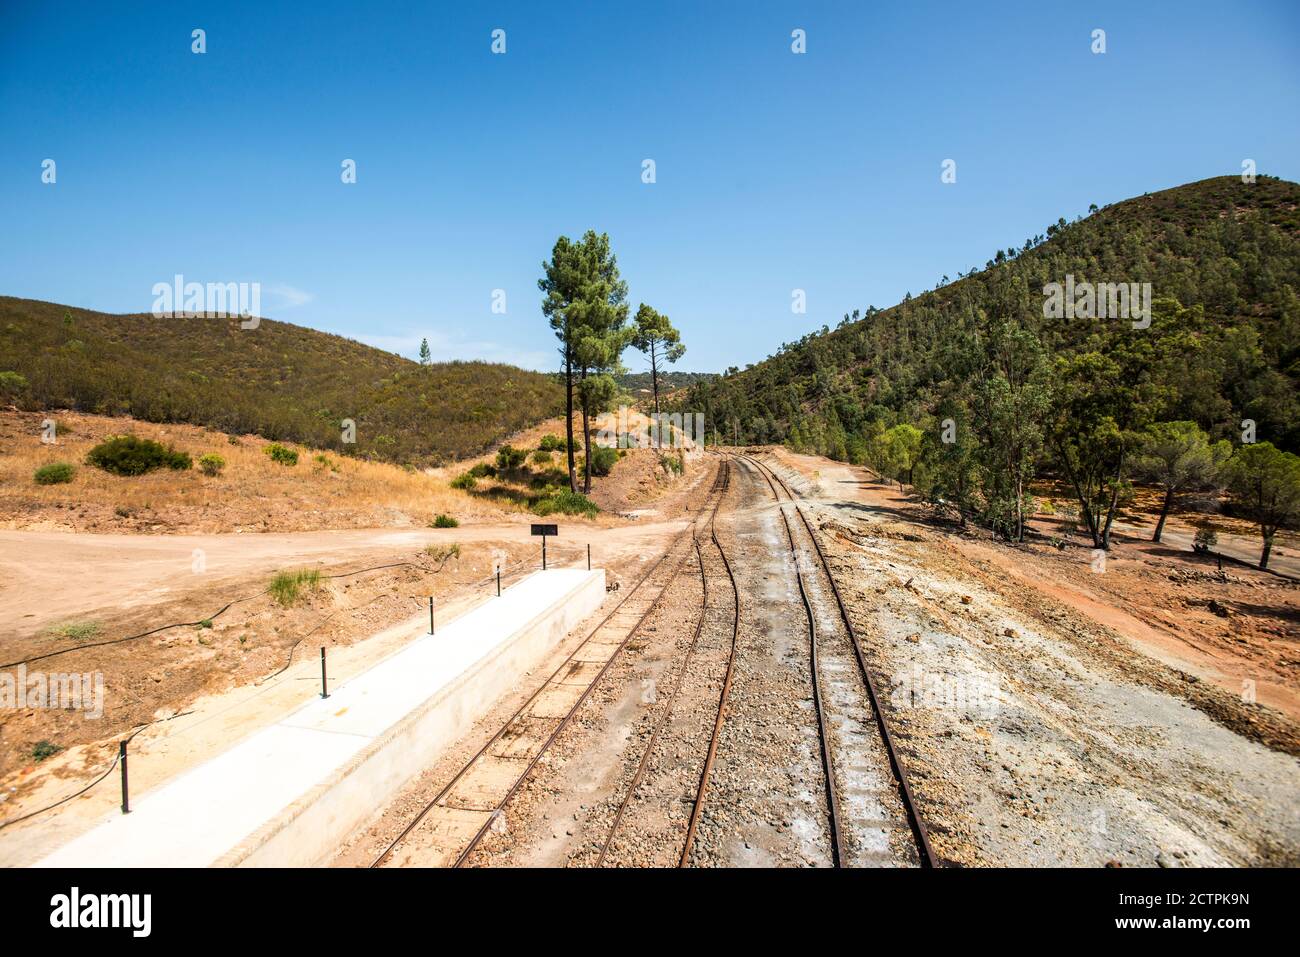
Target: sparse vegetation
[
  {"x": 445, "y": 521},
  {"x": 565, "y": 502},
  {"x": 442, "y": 553},
  {"x": 209, "y": 372},
  {"x": 465, "y": 481},
  {"x": 287, "y": 587},
  {"x": 56, "y": 473},
  {"x": 76, "y": 630},
  {"x": 130, "y": 455}
]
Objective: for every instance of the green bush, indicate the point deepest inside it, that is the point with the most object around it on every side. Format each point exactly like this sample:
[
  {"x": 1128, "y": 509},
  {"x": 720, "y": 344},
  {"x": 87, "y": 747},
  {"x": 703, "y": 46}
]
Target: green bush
[
  {"x": 132, "y": 455},
  {"x": 510, "y": 458},
  {"x": 602, "y": 460},
  {"x": 11, "y": 383},
  {"x": 1205, "y": 540},
  {"x": 45, "y": 749},
  {"x": 464, "y": 481},
  {"x": 483, "y": 470},
  {"x": 551, "y": 443},
  {"x": 566, "y": 502},
  {"x": 56, "y": 473},
  {"x": 211, "y": 464},
  {"x": 542, "y": 457},
  {"x": 445, "y": 521},
  {"x": 282, "y": 454}
]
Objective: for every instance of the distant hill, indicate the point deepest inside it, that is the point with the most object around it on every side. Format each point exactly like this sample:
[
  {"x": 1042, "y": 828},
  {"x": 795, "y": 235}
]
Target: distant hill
[
  {"x": 637, "y": 382},
  {"x": 280, "y": 381},
  {"x": 1223, "y": 260}
]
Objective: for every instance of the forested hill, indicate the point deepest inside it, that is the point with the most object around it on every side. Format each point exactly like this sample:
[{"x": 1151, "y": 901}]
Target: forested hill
[
  {"x": 281, "y": 381},
  {"x": 1223, "y": 260}
]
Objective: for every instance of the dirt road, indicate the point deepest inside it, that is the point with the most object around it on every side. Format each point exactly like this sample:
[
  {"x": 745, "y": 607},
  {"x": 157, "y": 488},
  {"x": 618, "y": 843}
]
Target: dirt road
[{"x": 51, "y": 577}]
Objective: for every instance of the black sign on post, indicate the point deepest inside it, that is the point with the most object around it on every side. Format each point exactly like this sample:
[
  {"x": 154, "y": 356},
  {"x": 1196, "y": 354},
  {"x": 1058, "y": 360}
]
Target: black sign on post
[{"x": 544, "y": 530}]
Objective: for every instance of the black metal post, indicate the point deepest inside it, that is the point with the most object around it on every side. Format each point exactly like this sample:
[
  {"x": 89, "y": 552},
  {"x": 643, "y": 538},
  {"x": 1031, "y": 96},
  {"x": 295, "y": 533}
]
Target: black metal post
[
  {"x": 498, "y": 583},
  {"x": 543, "y": 553},
  {"x": 324, "y": 686},
  {"x": 121, "y": 759},
  {"x": 431, "y": 614},
  {"x": 589, "y": 556}
]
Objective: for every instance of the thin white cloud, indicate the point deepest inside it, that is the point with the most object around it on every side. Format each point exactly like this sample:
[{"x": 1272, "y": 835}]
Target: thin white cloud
[{"x": 284, "y": 296}]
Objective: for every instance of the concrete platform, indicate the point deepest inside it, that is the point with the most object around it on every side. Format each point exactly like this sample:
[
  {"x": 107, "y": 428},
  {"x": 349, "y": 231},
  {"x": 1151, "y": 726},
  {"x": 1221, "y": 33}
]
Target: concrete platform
[{"x": 289, "y": 794}]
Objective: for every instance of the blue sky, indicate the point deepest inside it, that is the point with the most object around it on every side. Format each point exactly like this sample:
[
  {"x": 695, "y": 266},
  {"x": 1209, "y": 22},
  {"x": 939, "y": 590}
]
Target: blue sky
[{"x": 775, "y": 171}]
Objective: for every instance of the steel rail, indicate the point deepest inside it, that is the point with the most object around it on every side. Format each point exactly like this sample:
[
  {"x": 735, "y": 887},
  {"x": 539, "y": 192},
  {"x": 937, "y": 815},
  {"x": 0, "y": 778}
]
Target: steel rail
[
  {"x": 926, "y": 853},
  {"x": 465, "y": 769},
  {"x": 668, "y": 709},
  {"x": 701, "y": 792}
]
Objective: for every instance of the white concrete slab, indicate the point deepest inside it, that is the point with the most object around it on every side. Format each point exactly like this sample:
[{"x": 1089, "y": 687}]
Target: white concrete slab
[{"x": 199, "y": 817}]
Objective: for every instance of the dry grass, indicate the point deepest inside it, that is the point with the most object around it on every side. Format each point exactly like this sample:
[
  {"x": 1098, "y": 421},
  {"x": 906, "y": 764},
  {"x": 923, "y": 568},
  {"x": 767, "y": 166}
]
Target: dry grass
[{"x": 252, "y": 493}]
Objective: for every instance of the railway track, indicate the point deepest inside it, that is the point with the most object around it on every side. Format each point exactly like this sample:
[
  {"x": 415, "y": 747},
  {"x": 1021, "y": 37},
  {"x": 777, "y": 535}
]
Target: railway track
[
  {"x": 837, "y": 702},
  {"x": 454, "y": 823},
  {"x": 685, "y": 673}
]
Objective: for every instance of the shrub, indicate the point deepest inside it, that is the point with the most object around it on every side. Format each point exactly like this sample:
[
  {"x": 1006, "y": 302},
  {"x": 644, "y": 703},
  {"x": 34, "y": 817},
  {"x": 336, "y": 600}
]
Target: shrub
[
  {"x": 282, "y": 454},
  {"x": 566, "y": 502},
  {"x": 11, "y": 383},
  {"x": 483, "y": 470},
  {"x": 551, "y": 443},
  {"x": 286, "y": 587},
  {"x": 211, "y": 464},
  {"x": 132, "y": 455},
  {"x": 602, "y": 460},
  {"x": 509, "y": 458},
  {"x": 542, "y": 457},
  {"x": 672, "y": 464},
  {"x": 56, "y": 473},
  {"x": 445, "y": 521},
  {"x": 1205, "y": 540},
  {"x": 464, "y": 481},
  {"x": 45, "y": 749},
  {"x": 442, "y": 553}
]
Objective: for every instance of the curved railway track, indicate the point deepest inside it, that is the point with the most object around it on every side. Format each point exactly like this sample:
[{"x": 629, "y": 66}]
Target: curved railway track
[
  {"x": 701, "y": 788},
  {"x": 924, "y": 850},
  {"x": 463, "y": 812}
]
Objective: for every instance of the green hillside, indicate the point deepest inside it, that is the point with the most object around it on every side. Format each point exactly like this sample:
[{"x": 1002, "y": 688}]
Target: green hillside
[
  {"x": 1065, "y": 397},
  {"x": 281, "y": 381}
]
